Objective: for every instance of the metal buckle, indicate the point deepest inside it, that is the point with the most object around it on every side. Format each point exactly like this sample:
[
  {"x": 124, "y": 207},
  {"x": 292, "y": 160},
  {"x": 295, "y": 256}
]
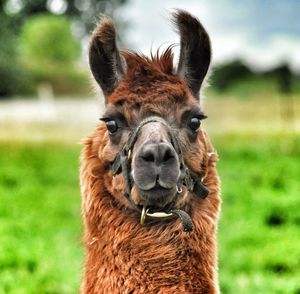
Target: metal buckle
[
  {"x": 129, "y": 154},
  {"x": 143, "y": 215},
  {"x": 154, "y": 215}
]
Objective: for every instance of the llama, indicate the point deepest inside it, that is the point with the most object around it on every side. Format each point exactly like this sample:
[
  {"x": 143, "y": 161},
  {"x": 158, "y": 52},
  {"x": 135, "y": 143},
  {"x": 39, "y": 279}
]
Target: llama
[{"x": 150, "y": 189}]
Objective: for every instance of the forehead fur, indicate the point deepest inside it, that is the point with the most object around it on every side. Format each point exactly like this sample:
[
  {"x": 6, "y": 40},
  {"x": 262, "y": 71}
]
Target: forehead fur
[
  {"x": 150, "y": 79},
  {"x": 156, "y": 63}
]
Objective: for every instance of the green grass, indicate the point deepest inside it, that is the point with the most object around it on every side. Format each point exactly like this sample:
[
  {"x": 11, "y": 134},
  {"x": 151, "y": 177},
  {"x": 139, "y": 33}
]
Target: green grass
[
  {"x": 259, "y": 229},
  {"x": 40, "y": 225}
]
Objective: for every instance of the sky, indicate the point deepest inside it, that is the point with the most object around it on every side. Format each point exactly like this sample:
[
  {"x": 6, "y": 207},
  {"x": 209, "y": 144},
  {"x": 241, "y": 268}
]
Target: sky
[{"x": 262, "y": 33}]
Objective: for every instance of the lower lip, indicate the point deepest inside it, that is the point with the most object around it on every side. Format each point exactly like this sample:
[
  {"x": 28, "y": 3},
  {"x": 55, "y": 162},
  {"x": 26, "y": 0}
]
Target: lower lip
[
  {"x": 159, "y": 194},
  {"x": 159, "y": 188}
]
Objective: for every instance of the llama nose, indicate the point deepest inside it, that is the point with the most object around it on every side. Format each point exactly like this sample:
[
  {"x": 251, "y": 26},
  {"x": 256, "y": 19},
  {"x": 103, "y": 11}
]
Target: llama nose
[
  {"x": 159, "y": 154},
  {"x": 156, "y": 164}
]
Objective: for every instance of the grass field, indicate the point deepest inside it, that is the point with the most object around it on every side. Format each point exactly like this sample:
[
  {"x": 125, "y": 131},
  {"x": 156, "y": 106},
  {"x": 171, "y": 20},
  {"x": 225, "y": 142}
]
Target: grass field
[
  {"x": 260, "y": 224},
  {"x": 259, "y": 245},
  {"x": 40, "y": 227}
]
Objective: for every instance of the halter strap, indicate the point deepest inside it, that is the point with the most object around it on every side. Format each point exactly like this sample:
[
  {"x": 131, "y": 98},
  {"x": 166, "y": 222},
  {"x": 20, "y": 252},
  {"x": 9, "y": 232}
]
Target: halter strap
[{"x": 122, "y": 163}]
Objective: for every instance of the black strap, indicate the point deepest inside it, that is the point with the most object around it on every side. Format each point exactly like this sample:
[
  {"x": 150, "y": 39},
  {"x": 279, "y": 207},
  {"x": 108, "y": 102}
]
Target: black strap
[
  {"x": 186, "y": 220},
  {"x": 122, "y": 163},
  {"x": 116, "y": 167},
  {"x": 200, "y": 190}
]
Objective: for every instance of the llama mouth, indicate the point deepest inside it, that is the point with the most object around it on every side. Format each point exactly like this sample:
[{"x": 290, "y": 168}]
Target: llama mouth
[
  {"x": 165, "y": 212},
  {"x": 157, "y": 197}
]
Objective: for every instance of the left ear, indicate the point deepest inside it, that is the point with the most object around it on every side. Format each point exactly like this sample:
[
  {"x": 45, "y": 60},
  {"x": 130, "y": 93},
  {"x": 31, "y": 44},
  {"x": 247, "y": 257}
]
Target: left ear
[
  {"x": 106, "y": 63},
  {"x": 195, "y": 51}
]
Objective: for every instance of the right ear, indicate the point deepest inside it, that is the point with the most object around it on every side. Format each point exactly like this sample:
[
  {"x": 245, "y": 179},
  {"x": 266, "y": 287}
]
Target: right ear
[
  {"x": 195, "y": 51},
  {"x": 106, "y": 63}
]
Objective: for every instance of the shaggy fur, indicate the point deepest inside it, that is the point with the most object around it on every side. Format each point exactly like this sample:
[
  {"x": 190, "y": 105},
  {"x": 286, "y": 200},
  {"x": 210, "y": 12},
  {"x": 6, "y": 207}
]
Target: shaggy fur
[{"x": 123, "y": 256}]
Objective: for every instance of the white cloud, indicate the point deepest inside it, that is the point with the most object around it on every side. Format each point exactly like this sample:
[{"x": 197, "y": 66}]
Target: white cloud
[{"x": 254, "y": 31}]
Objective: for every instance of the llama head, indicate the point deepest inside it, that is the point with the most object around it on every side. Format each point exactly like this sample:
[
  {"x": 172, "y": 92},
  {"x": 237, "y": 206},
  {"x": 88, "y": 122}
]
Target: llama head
[{"x": 137, "y": 88}]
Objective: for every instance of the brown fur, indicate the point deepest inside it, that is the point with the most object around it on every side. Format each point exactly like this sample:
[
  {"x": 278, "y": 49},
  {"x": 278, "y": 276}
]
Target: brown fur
[{"x": 123, "y": 256}]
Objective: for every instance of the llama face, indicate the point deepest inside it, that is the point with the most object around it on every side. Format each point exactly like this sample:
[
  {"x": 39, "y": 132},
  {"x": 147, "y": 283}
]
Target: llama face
[
  {"x": 155, "y": 167},
  {"x": 136, "y": 88}
]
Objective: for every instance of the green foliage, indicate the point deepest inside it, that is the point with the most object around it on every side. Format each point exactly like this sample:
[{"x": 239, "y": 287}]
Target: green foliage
[
  {"x": 47, "y": 38},
  {"x": 40, "y": 249},
  {"x": 48, "y": 51},
  {"x": 236, "y": 79},
  {"x": 284, "y": 77},
  {"x": 64, "y": 80},
  {"x": 46, "y": 41},
  {"x": 83, "y": 12},
  {"x": 228, "y": 74},
  {"x": 11, "y": 75},
  {"x": 247, "y": 89}
]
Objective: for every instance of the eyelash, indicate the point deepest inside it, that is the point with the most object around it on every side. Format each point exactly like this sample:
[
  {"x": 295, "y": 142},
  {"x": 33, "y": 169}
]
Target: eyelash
[{"x": 105, "y": 119}]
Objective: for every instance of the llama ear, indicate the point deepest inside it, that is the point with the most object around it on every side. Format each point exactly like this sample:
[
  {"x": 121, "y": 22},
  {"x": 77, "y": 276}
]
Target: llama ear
[
  {"x": 195, "y": 50},
  {"x": 106, "y": 63}
]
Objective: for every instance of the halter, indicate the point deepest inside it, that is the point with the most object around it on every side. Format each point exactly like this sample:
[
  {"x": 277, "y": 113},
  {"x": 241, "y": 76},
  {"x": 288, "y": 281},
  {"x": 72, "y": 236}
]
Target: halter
[{"x": 122, "y": 163}]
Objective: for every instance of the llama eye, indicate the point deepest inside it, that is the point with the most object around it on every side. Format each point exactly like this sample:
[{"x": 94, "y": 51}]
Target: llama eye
[
  {"x": 112, "y": 126},
  {"x": 194, "y": 124}
]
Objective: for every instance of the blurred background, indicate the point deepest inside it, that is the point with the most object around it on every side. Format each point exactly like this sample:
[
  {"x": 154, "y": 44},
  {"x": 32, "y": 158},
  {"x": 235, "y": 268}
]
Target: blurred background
[{"x": 48, "y": 103}]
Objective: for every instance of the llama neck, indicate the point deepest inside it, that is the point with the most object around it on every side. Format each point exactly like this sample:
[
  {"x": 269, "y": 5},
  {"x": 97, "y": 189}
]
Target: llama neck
[
  {"x": 123, "y": 256},
  {"x": 160, "y": 255}
]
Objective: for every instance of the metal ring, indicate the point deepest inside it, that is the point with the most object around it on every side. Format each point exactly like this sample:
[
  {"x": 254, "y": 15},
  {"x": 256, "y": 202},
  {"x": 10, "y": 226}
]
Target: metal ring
[
  {"x": 179, "y": 190},
  {"x": 129, "y": 154},
  {"x": 143, "y": 215}
]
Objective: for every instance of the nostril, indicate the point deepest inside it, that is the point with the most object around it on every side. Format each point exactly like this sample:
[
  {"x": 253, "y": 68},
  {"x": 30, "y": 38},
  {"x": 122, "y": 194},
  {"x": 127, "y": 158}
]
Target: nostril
[
  {"x": 168, "y": 155},
  {"x": 149, "y": 157},
  {"x": 159, "y": 154}
]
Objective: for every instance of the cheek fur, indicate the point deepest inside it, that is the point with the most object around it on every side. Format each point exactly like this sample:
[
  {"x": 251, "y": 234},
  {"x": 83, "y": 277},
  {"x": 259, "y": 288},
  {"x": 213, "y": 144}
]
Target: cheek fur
[
  {"x": 194, "y": 153},
  {"x": 116, "y": 187},
  {"x": 135, "y": 196},
  {"x": 110, "y": 148},
  {"x": 118, "y": 183},
  {"x": 106, "y": 153},
  {"x": 109, "y": 151}
]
